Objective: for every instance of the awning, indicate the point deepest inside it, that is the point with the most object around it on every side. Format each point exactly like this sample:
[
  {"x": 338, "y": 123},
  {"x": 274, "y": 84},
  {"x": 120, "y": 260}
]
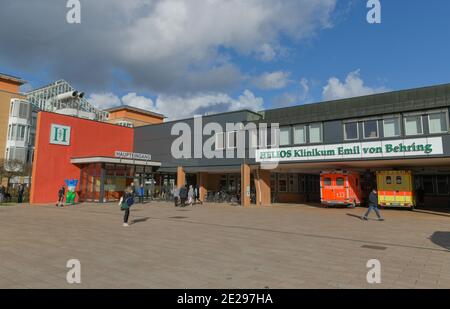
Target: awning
[{"x": 112, "y": 160}]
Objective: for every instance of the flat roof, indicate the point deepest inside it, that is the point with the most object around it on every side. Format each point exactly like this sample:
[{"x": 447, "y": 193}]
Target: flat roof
[
  {"x": 87, "y": 160},
  {"x": 134, "y": 109},
  {"x": 393, "y": 102},
  {"x": 14, "y": 79}
]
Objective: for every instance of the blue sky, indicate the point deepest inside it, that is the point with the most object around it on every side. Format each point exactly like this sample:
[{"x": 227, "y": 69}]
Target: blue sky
[{"x": 310, "y": 45}]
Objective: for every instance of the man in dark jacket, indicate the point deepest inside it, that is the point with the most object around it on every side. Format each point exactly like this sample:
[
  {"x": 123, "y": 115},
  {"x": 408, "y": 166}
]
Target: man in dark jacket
[
  {"x": 183, "y": 195},
  {"x": 373, "y": 205},
  {"x": 61, "y": 194},
  {"x": 20, "y": 193}
]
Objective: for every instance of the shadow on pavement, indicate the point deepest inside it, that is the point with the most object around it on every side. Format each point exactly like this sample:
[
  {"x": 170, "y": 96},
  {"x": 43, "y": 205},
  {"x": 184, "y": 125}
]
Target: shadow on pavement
[
  {"x": 354, "y": 216},
  {"x": 435, "y": 212},
  {"x": 140, "y": 220},
  {"x": 441, "y": 239}
]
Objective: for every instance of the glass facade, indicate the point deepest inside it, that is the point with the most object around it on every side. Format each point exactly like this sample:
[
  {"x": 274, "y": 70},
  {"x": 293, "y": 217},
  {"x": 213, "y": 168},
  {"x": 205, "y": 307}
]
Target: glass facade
[{"x": 104, "y": 182}]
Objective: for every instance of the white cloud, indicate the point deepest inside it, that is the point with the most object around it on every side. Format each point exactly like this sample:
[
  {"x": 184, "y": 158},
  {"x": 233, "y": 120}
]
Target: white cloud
[
  {"x": 352, "y": 87},
  {"x": 304, "y": 85},
  {"x": 158, "y": 44},
  {"x": 132, "y": 99},
  {"x": 274, "y": 80},
  {"x": 104, "y": 100},
  {"x": 178, "y": 107}
]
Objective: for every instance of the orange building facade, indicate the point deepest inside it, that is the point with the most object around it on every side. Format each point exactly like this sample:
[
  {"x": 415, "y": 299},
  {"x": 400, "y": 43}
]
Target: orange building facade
[{"x": 78, "y": 139}]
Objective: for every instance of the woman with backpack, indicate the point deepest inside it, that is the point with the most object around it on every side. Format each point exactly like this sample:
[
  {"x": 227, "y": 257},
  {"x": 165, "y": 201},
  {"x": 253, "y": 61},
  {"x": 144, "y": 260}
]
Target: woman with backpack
[{"x": 125, "y": 203}]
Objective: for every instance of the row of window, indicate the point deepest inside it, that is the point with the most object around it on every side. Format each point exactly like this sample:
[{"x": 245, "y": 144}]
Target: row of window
[
  {"x": 20, "y": 133},
  {"x": 313, "y": 133},
  {"x": 19, "y": 154},
  {"x": 20, "y": 109},
  {"x": 413, "y": 125},
  {"x": 229, "y": 139},
  {"x": 433, "y": 185},
  {"x": 294, "y": 183}
]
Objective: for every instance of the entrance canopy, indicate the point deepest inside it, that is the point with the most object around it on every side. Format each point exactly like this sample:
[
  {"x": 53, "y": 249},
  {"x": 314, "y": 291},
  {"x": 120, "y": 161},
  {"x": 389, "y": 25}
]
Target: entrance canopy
[{"x": 112, "y": 160}]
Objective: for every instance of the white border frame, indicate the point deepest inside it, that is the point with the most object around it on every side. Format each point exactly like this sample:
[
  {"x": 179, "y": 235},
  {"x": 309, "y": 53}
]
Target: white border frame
[
  {"x": 444, "y": 111},
  {"x": 304, "y": 134},
  {"x": 290, "y": 139},
  {"x": 235, "y": 139},
  {"x": 357, "y": 131},
  {"x": 421, "y": 124},
  {"x": 399, "y": 126},
  {"x": 321, "y": 133},
  {"x": 223, "y": 141},
  {"x": 364, "y": 130}
]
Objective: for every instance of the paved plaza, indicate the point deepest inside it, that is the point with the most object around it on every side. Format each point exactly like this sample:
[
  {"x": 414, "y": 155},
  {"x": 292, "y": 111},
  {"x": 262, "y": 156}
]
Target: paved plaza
[{"x": 219, "y": 246}]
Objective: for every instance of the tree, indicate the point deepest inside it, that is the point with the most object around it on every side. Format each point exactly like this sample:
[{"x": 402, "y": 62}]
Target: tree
[{"x": 13, "y": 168}]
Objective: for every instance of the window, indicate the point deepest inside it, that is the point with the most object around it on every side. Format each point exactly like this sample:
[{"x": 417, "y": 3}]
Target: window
[
  {"x": 23, "y": 110},
  {"x": 231, "y": 140},
  {"x": 442, "y": 185},
  {"x": 285, "y": 136},
  {"x": 299, "y": 134},
  {"x": 301, "y": 183},
  {"x": 438, "y": 122},
  {"x": 220, "y": 141},
  {"x": 428, "y": 185},
  {"x": 13, "y": 134},
  {"x": 315, "y": 133},
  {"x": 282, "y": 183},
  {"x": 388, "y": 180},
  {"x": 413, "y": 125},
  {"x": 274, "y": 137},
  {"x": 20, "y": 133},
  {"x": 399, "y": 180},
  {"x": 340, "y": 182},
  {"x": 293, "y": 183},
  {"x": 391, "y": 127},
  {"x": 370, "y": 129},
  {"x": 351, "y": 131},
  {"x": 327, "y": 181},
  {"x": 253, "y": 138}
]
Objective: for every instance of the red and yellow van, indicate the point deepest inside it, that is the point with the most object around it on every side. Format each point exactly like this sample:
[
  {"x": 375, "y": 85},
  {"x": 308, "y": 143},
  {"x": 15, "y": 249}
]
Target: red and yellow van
[
  {"x": 340, "y": 188},
  {"x": 395, "y": 189}
]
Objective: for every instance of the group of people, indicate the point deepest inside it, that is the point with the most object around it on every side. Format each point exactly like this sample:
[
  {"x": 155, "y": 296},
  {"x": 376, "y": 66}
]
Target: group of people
[
  {"x": 5, "y": 196},
  {"x": 186, "y": 195}
]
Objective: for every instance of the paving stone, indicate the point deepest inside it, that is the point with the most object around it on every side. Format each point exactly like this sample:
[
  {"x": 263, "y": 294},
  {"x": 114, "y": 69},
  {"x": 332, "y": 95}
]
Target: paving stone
[{"x": 219, "y": 246}]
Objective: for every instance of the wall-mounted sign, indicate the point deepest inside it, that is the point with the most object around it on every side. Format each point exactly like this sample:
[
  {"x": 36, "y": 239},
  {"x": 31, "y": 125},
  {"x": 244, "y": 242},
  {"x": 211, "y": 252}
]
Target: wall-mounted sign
[
  {"x": 133, "y": 156},
  {"x": 367, "y": 150},
  {"x": 60, "y": 135}
]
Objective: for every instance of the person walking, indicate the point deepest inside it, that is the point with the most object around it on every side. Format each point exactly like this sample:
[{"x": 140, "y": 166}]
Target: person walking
[
  {"x": 176, "y": 196},
  {"x": 197, "y": 195},
  {"x": 2, "y": 193},
  {"x": 125, "y": 203},
  {"x": 183, "y": 195},
  {"x": 373, "y": 205},
  {"x": 191, "y": 195},
  {"x": 20, "y": 193},
  {"x": 141, "y": 194},
  {"x": 61, "y": 194}
]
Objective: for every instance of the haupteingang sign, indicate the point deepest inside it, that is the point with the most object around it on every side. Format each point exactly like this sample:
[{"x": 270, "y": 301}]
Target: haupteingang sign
[
  {"x": 133, "y": 155},
  {"x": 365, "y": 150}
]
